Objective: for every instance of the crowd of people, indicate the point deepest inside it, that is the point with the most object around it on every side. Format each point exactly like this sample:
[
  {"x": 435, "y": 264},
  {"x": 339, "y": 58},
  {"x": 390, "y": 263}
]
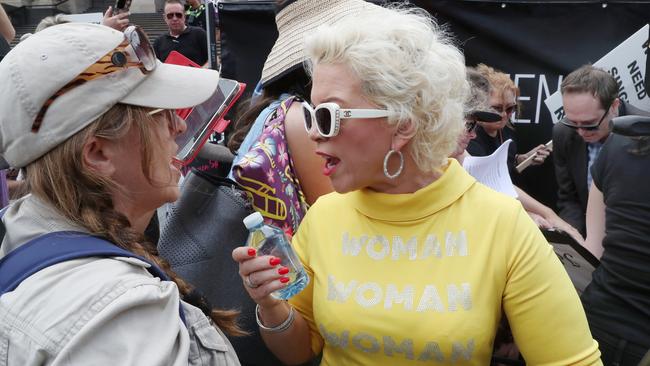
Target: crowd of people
[{"x": 357, "y": 135}]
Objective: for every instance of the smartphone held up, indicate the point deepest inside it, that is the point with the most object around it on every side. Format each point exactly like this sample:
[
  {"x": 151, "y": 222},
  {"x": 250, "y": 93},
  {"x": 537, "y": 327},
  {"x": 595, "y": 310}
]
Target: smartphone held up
[
  {"x": 207, "y": 118},
  {"x": 121, "y": 6}
]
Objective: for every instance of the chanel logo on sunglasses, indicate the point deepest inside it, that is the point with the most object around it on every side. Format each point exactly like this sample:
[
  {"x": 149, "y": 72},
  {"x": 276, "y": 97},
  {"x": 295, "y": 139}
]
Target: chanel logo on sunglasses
[
  {"x": 327, "y": 117},
  {"x": 115, "y": 60}
]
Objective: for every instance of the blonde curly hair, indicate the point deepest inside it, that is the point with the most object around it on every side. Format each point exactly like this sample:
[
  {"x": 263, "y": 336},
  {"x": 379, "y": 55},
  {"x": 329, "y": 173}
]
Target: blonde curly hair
[{"x": 407, "y": 65}]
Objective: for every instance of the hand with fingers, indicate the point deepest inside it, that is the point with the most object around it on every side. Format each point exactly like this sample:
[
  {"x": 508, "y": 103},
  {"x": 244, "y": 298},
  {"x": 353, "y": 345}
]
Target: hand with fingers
[
  {"x": 7, "y": 30},
  {"x": 262, "y": 275},
  {"x": 565, "y": 227},
  {"x": 278, "y": 321},
  {"x": 118, "y": 21},
  {"x": 539, "y": 154}
]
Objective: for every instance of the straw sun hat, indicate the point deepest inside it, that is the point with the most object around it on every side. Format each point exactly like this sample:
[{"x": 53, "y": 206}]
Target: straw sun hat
[{"x": 295, "y": 19}]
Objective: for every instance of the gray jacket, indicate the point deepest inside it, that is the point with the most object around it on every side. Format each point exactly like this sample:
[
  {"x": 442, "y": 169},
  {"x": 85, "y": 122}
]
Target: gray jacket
[{"x": 93, "y": 311}]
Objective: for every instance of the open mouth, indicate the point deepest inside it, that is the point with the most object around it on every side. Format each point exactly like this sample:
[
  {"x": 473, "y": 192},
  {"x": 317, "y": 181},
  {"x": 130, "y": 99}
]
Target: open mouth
[{"x": 331, "y": 163}]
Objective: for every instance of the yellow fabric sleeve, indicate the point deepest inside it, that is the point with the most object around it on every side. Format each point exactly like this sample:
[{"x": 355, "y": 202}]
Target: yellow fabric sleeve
[{"x": 552, "y": 310}]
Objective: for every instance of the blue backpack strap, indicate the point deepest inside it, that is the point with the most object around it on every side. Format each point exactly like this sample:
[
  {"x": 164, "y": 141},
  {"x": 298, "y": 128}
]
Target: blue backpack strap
[
  {"x": 57, "y": 247},
  {"x": 3, "y": 229}
]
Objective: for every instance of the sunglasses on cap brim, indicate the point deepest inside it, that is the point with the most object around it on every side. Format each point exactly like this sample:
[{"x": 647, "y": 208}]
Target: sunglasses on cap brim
[
  {"x": 118, "y": 59},
  {"x": 328, "y": 116}
]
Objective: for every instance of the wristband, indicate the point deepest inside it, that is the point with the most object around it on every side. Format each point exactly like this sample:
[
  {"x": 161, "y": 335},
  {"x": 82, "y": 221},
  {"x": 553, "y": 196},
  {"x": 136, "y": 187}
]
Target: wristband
[{"x": 280, "y": 328}]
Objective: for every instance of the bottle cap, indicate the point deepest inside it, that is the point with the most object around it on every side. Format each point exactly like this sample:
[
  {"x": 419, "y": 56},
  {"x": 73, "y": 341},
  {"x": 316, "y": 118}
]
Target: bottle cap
[{"x": 253, "y": 220}]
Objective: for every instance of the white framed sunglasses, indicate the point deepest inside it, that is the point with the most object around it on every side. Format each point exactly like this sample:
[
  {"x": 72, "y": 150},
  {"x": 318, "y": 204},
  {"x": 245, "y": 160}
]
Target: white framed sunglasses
[{"x": 328, "y": 116}]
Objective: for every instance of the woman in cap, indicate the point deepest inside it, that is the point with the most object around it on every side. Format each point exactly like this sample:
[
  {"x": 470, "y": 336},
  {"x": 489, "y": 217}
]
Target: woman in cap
[
  {"x": 480, "y": 112},
  {"x": 476, "y": 109},
  {"x": 89, "y": 112},
  {"x": 489, "y": 136},
  {"x": 410, "y": 260}
]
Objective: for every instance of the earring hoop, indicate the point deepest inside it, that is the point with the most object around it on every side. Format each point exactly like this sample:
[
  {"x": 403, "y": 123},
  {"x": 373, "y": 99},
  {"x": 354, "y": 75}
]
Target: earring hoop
[{"x": 401, "y": 164}]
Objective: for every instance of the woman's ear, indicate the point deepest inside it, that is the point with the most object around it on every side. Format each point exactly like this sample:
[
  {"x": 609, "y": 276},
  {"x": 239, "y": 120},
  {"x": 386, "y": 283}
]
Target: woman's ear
[
  {"x": 404, "y": 133},
  {"x": 96, "y": 155}
]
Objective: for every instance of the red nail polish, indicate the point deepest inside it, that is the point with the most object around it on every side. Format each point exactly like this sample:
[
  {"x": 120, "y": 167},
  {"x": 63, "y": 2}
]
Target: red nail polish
[
  {"x": 274, "y": 261},
  {"x": 251, "y": 252},
  {"x": 284, "y": 279},
  {"x": 283, "y": 270}
]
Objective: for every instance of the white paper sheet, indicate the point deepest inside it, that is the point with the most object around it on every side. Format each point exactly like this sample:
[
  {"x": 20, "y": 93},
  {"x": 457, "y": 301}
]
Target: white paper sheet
[{"x": 492, "y": 170}]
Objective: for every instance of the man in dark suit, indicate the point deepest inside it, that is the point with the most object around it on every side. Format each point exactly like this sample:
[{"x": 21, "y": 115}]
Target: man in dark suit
[{"x": 590, "y": 100}]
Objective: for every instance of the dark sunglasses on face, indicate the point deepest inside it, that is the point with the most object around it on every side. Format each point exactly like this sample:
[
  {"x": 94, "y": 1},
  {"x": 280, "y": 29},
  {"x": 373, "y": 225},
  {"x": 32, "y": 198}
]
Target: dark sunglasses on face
[
  {"x": 592, "y": 127},
  {"x": 172, "y": 15},
  {"x": 328, "y": 117},
  {"x": 501, "y": 109},
  {"x": 140, "y": 55}
]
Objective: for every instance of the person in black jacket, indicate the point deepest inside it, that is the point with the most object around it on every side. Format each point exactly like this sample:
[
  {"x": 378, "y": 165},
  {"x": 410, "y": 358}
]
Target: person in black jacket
[
  {"x": 504, "y": 95},
  {"x": 191, "y": 42},
  {"x": 590, "y": 99}
]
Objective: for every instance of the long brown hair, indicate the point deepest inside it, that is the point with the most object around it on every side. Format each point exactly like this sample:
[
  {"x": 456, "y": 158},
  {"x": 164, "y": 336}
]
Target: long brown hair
[{"x": 84, "y": 197}]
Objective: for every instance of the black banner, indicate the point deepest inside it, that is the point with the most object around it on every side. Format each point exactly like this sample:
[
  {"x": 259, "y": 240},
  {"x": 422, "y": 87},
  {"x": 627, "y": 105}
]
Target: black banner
[
  {"x": 247, "y": 35},
  {"x": 536, "y": 42}
]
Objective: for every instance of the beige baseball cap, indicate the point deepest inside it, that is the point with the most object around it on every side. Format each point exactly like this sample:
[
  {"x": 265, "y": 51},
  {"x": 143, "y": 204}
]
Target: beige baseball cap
[{"x": 41, "y": 65}]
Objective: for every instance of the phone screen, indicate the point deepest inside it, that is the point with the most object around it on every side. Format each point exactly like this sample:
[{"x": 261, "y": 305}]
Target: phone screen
[
  {"x": 121, "y": 6},
  {"x": 203, "y": 117}
]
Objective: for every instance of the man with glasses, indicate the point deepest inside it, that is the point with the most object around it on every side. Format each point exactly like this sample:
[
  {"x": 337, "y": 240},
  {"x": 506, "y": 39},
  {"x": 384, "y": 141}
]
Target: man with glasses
[
  {"x": 191, "y": 42},
  {"x": 478, "y": 108},
  {"x": 590, "y": 100}
]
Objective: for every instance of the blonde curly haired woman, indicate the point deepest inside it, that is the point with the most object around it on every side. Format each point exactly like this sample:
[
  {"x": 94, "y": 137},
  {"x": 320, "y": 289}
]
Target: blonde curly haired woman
[{"x": 410, "y": 259}]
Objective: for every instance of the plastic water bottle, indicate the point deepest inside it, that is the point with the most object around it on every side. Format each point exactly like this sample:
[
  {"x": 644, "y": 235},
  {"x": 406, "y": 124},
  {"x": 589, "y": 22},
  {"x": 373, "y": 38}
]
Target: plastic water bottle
[{"x": 271, "y": 240}]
